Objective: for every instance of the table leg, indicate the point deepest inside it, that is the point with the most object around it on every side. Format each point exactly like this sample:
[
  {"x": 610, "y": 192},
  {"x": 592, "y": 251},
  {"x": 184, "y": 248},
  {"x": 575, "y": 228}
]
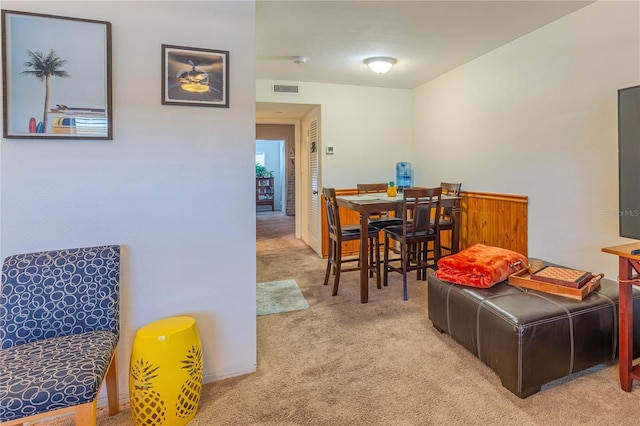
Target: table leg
[
  {"x": 626, "y": 333},
  {"x": 364, "y": 258},
  {"x": 455, "y": 232},
  {"x": 625, "y": 321}
]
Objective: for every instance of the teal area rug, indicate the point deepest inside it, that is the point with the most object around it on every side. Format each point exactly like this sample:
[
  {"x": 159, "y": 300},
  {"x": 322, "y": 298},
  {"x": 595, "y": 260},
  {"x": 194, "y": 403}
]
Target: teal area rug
[{"x": 279, "y": 296}]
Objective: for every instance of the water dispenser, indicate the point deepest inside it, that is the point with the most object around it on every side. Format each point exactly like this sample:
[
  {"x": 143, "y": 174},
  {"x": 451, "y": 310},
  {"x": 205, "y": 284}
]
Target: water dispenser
[{"x": 404, "y": 175}]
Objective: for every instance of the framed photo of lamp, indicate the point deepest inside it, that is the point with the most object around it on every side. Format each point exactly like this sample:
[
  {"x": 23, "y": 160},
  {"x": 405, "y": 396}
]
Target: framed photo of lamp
[
  {"x": 195, "y": 77},
  {"x": 56, "y": 79}
]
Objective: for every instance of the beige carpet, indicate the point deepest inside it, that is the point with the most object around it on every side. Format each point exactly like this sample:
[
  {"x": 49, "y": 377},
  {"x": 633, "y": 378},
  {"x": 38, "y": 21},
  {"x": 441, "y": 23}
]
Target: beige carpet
[{"x": 341, "y": 362}]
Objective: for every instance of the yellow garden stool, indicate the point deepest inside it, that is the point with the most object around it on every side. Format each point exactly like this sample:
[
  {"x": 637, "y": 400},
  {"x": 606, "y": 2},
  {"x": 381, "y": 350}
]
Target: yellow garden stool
[{"x": 165, "y": 374}]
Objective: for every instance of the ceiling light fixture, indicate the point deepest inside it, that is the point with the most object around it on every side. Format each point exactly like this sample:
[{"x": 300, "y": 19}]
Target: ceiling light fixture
[
  {"x": 380, "y": 64},
  {"x": 299, "y": 60}
]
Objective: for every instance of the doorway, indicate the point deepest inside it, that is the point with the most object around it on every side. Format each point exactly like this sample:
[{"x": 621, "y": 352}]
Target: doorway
[
  {"x": 270, "y": 154},
  {"x": 277, "y": 141},
  {"x": 271, "y": 120}
]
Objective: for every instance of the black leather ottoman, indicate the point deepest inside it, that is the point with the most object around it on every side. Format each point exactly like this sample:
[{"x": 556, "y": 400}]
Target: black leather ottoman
[{"x": 528, "y": 337}]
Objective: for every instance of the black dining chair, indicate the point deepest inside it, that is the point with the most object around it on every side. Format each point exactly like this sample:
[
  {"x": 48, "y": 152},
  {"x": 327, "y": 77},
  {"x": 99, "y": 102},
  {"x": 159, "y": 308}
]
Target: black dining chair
[
  {"x": 446, "y": 213},
  {"x": 339, "y": 234},
  {"x": 420, "y": 227}
]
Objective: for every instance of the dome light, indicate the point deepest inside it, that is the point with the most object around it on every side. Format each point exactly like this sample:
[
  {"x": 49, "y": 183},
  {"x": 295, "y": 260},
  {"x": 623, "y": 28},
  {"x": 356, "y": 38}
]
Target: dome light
[{"x": 380, "y": 65}]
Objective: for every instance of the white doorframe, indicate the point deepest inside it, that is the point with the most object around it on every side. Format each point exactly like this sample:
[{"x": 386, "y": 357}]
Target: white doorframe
[{"x": 312, "y": 181}]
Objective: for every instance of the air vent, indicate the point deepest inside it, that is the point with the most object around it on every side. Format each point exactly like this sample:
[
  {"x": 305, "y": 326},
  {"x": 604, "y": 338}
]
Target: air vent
[{"x": 285, "y": 88}]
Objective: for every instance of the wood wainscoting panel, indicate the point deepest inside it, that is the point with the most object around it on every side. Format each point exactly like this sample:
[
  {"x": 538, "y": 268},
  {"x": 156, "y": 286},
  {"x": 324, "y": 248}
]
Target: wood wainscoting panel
[{"x": 493, "y": 219}]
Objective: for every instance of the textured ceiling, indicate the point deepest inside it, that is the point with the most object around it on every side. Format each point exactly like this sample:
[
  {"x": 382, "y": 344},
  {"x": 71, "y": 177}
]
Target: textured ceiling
[{"x": 428, "y": 38}]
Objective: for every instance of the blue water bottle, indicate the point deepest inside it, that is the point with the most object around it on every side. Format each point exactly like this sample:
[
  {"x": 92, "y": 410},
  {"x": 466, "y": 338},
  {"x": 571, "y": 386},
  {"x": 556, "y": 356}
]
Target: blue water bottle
[{"x": 404, "y": 175}]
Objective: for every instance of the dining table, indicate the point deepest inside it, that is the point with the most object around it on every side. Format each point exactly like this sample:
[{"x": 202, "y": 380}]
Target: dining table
[{"x": 375, "y": 203}]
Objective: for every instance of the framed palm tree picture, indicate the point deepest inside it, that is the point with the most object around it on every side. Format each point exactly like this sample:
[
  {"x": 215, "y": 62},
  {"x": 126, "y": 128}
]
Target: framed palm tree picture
[{"x": 56, "y": 77}]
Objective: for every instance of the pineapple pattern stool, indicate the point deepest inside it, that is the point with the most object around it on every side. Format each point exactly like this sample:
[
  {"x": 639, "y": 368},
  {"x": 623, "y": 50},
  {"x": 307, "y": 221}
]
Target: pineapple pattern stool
[{"x": 165, "y": 374}]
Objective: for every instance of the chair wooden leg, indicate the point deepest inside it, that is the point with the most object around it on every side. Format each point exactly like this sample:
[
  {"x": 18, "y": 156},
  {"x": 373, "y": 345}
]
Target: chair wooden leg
[
  {"x": 405, "y": 266},
  {"x": 414, "y": 249},
  {"x": 378, "y": 280},
  {"x": 370, "y": 263},
  {"x": 385, "y": 272},
  {"x": 436, "y": 252},
  {"x": 111, "y": 380},
  {"x": 424, "y": 260},
  {"x": 86, "y": 414},
  {"x": 338, "y": 267},
  {"x": 331, "y": 261},
  {"x": 327, "y": 271},
  {"x": 417, "y": 256},
  {"x": 336, "y": 280}
]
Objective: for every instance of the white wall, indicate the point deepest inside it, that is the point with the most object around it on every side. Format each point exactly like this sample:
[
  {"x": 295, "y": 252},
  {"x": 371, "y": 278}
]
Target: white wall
[
  {"x": 370, "y": 129},
  {"x": 175, "y": 187},
  {"x": 538, "y": 117}
]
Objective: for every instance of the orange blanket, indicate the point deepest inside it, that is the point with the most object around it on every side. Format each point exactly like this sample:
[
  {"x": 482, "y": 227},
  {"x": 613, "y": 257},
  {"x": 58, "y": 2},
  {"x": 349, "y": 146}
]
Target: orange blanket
[{"x": 479, "y": 266}]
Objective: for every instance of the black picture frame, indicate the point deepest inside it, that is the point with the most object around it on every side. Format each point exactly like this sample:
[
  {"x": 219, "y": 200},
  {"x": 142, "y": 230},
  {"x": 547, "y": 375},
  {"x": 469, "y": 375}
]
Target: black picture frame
[
  {"x": 56, "y": 80},
  {"x": 195, "y": 77}
]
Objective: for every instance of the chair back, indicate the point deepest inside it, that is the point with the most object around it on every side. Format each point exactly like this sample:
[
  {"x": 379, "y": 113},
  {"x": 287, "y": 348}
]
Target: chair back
[
  {"x": 452, "y": 189},
  {"x": 419, "y": 207},
  {"x": 58, "y": 293},
  {"x": 333, "y": 215},
  {"x": 370, "y": 188},
  {"x": 367, "y": 188}
]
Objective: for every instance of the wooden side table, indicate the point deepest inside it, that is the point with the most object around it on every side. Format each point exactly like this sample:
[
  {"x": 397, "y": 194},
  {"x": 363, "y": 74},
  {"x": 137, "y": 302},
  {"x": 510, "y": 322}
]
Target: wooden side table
[{"x": 629, "y": 275}]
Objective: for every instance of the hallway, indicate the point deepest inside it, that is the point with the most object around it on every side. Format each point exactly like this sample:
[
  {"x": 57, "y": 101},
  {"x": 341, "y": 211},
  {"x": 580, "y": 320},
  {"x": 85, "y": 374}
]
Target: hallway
[{"x": 276, "y": 231}]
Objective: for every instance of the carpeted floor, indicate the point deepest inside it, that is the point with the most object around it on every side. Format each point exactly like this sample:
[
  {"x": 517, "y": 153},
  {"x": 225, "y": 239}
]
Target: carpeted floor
[{"x": 341, "y": 362}]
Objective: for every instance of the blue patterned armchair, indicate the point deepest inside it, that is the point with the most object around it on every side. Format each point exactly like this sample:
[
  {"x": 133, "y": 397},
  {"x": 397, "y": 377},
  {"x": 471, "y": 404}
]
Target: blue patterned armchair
[{"x": 59, "y": 330}]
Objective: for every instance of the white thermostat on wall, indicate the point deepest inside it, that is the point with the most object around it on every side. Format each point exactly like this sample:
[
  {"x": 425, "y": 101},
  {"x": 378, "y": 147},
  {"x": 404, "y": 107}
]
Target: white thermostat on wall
[{"x": 329, "y": 150}]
